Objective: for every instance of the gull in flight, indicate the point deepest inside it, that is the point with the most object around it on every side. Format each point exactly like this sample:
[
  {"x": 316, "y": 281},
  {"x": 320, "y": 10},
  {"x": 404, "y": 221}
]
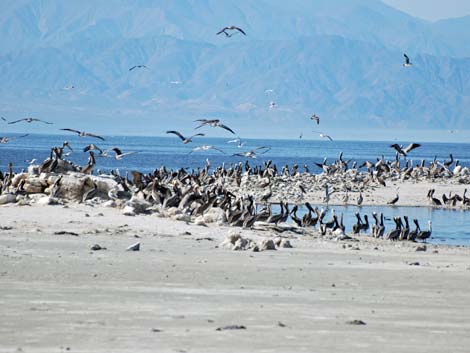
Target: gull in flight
[
  {"x": 238, "y": 141},
  {"x": 323, "y": 135},
  {"x": 28, "y": 120},
  {"x": 213, "y": 123},
  {"x": 118, "y": 155},
  {"x": 252, "y": 153},
  {"x": 84, "y": 134},
  {"x": 138, "y": 67},
  {"x": 231, "y": 28},
  {"x": 316, "y": 118},
  {"x": 205, "y": 148},
  {"x": 405, "y": 151},
  {"x": 407, "y": 62},
  {"x": 4, "y": 139},
  {"x": 184, "y": 139}
]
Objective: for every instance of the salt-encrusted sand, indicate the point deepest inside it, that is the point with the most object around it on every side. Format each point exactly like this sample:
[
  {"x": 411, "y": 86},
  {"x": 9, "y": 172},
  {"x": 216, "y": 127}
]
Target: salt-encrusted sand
[{"x": 58, "y": 295}]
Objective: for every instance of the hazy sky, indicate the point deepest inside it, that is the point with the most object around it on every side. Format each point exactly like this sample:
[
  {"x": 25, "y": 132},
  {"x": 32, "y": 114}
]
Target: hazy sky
[{"x": 432, "y": 10}]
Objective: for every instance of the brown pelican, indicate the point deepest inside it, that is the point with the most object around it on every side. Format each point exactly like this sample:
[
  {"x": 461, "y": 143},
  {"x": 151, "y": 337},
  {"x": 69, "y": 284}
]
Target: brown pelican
[
  {"x": 29, "y": 120},
  {"x": 407, "y": 62},
  {"x": 316, "y": 118},
  {"x": 213, "y": 123},
  {"x": 184, "y": 139},
  {"x": 414, "y": 233},
  {"x": 84, "y": 134},
  {"x": 231, "y": 28},
  {"x": 406, "y": 230},
  {"x": 138, "y": 67},
  {"x": 405, "y": 151},
  {"x": 425, "y": 234},
  {"x": 360, "y": 199}
]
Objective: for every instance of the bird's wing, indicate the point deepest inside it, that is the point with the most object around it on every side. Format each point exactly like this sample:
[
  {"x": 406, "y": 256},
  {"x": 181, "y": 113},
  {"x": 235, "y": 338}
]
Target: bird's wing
[
  {"x": 132, "y": 68},
  {"x": 204, "y": 121},
  {"x": 329, "y": 137},
  {"x": 42, "y": 121},
  {"x": 23, "y": 136},
  {"x": 227, "y": 128},
  {"x": 407, "y": 59},
  {"x": 222, "y": 30},
  {"x": 217, "y": 149},
  {"x": 95, "y": 136},
  {"x": 240, "y": 30},
  {"x": 196, "y": 135},
  {"x": 177, "y": 134},
  {"x": 117, "y": 150},
  {"x": 128, "y": 153},
  {"x": 4, "y": 119},
  {"x": 72, "y": 130},
  {"x": 16, "y": 121},
  {"x": 411, "y": 147}
]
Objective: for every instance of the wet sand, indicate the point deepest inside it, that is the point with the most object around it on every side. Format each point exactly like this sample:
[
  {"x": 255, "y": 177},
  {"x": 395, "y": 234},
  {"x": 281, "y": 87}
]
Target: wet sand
[{"x": 58, "y": 295}]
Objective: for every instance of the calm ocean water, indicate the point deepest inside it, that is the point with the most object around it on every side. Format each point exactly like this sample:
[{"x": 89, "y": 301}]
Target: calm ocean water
[{"x": 449, "y": 227}]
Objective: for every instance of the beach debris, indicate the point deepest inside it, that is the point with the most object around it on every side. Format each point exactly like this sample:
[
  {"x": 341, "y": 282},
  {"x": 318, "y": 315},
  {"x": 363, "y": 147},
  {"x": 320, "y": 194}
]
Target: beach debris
[
  {"x": 134, "y": 247},
  {"x": 356, "y": 322},
  {"x": 65, "y": 232},
  {"x": 156, "y": 330},
  {"x": 267, "y": 244},
  {"x": 231, "y": 327},
  {"x": 421, "y": 248},
  {"x": 97, "y": 247}
]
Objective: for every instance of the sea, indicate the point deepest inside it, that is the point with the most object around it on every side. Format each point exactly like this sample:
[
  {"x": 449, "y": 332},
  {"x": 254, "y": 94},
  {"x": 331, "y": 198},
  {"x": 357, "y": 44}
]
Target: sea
[{"x": 449, "y": 226}]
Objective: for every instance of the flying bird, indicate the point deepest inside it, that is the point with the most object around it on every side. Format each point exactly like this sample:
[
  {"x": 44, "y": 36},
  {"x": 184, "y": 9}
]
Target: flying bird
[
  {"x": 407, "y": 62},
  {"x": 28, "y": 120},
  {"x": 252, "y": 153},
  {"x": 205, "y": 148},
  {"x": 92, "y": 147},
  {"x": 68, "y": 88},
  {"x": 118, "y": 155},
  {"x": 405, "y": 151},
  {"x": 5, "y": 139},
  {"x": 231, "y": 28},
  {"x": 213, "y": 123},
  {"x": 184, "y": 139},
  {"x": 316, "y": 118},
  {"x": 238, "y": 141},
  {"x": 84, "y": 134},
  {"x": 323, "y": 135},
  {"x": 138, "y": 67}
]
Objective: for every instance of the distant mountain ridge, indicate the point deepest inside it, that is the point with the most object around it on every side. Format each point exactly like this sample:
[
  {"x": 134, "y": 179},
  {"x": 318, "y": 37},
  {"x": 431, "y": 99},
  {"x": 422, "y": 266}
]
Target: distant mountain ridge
[{"x": 341, "y": 59}]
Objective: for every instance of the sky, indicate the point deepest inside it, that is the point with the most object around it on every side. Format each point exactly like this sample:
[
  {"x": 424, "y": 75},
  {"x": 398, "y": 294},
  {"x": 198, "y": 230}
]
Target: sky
[{"x": 432, "y": 10}]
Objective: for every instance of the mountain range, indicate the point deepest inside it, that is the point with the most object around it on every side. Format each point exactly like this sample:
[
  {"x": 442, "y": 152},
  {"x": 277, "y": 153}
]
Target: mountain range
[{"x": 69, "y": 61}]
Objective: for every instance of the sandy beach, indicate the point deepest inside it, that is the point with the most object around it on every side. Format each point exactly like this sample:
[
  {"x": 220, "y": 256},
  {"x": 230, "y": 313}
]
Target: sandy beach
[{"x": 171, "y": 296}]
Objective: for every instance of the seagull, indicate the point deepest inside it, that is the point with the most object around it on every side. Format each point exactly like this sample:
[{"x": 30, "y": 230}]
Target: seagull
[
  {"x": 231, "y": 28},
  {"x": 213, "y": 123},
  {"x": 324, "y": 136},
  {"x": 316, "y": 118},
  {"x": 184, "y": 139},
  {"x": 4, "y": 139},
  {"x": 28, "y": 120},
  {"x": 119, "y": 155},
  {"x": 84, "y": 134},
  {"x": 138, "y": 67},
  {"x": 252, "y": 153},
  {"x": 205, "y": 148},
  {"x": 405, "y": 151},
  {"x": 238, "y": 141},
  {"x": 407, "y": 62}
]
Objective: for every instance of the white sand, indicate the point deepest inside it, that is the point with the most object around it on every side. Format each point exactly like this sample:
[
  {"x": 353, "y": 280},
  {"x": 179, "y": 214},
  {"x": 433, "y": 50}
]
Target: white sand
[{"x": 57, "y": 294}]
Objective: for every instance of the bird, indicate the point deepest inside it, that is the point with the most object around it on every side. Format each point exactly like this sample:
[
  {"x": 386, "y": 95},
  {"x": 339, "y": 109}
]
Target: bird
[
  {"x": 5, "y": 139},
  {"x": 316, "y": 118},
  {"x": 205, "y": 148},
  {"x": 92, "y": 147},
  {"x": 84, "y": 134},
  {"x": 405, "y": 151},
  {"x": 213, "y": 123},
  {"x": 238, "y": 141},
  {"x": 138, "y": 67},
  {"x": 301, "y": 135},
  {"x": 407, "y": 62},
  {"x": 394, "y": 200},
  {"x": 118, "y": 155},
  {"x": 231, "y": 28},
  {"x": 425, "y": 234},
  {"x": 68, "y": 88},
  {"x": 29, "y": 120},
  {"x": 323, "y": 136},
  {"x": 184, "y": 139},
  {"x": 272, "y": 105},
  {"x": 252, "y": 153}
]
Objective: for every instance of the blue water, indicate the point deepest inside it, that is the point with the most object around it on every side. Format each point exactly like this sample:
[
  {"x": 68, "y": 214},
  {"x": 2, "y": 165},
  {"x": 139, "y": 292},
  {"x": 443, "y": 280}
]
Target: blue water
[{"x": 449, "y": 227}]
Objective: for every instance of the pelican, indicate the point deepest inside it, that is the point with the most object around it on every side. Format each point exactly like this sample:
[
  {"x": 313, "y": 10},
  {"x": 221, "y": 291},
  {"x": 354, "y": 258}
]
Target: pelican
[
  {"x": 29, "y": 120},
  {"x": 405, "y": 151},
  {"x": 184, "y": 139},
  {"x": 407, "y": 62},
  {"x": 213, "y": 123},
  {"x": 394, "y": 200},
  {"x": 231, "y": 28},
  {"x": 84, "y": 134},
  {"x": 425, "y": 234}
]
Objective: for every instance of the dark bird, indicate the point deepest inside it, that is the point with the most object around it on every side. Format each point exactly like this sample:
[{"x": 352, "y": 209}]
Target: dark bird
[
  {"x": 184, "y": 139},
  {"x": 28, "y": 120},
  {"x": 138, "y": 67},
  {"x": 231, "y": 28},
  {"x": 119, "y": 155},
  {"x": 84, "y": 134},
  {"x": 92, "y": 147},
  {"x": 405, "y": 151},
  {"x": 316, "y": 118},
  {"x": 407, "y": 62},
  {"x": 213, "y": 123}
]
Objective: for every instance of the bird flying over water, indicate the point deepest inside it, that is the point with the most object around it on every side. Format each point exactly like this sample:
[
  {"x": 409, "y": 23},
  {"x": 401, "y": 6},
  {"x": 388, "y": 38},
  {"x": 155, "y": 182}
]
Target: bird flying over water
[
  {"x": 405, "y": 151},
  {"x": 323, "y": 135},
  {"x": 316, "y": 118},
  {"x": 213, "y": 123},
  {"x": 184, "y": 139},
  {"x": 119, "y": 154},
  {"x": 205, "y": 148},
  {"x": 84, "y": 134},
  {"x": 5, "y": 139},
  {"x": 28, "y": 120},
  {"x": 407, "y": 62},
  {"x": 138, "y": 67},
  {"x": 231, "y": 28},
  {"x": 238, "y": 141},
  {"x": 252, "y": 153}
]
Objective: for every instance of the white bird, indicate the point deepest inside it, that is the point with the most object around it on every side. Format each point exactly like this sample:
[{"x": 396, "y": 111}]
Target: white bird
[
  {"x": 238, "y": 141},
  {"x": 205, "y": 148},
  {"x": 119, "y": 155}
]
